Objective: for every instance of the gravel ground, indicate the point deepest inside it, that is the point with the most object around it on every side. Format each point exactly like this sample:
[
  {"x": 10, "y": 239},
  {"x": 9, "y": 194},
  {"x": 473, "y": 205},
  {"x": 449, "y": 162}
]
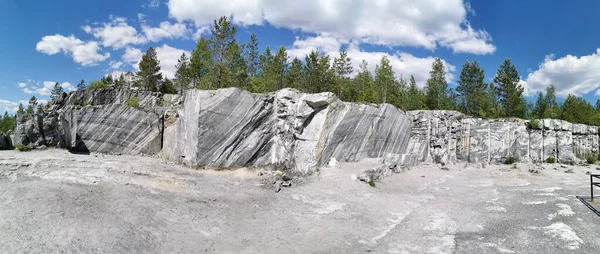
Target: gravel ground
[{"x": 55, "y": 202}]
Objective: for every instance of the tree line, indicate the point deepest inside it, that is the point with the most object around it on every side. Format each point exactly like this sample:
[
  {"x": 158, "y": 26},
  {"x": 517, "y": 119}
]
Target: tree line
[{"x": 219, "y": 61}]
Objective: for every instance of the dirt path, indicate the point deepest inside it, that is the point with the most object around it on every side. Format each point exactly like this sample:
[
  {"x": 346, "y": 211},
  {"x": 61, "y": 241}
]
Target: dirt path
[{"x": 52, "y": 201}]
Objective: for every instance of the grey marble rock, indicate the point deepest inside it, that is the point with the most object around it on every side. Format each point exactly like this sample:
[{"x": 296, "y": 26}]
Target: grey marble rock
[{"x": 5, "y": 142}]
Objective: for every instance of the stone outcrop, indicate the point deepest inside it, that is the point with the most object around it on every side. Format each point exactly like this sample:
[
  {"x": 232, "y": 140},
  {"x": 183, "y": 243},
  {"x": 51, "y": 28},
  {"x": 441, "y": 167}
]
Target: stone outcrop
[
  {"x": 290, "y": 131},
  {"x": 5, "y": 142},
  {"x": 287, "y": 129},
  {"x": 449, "y": 137}
]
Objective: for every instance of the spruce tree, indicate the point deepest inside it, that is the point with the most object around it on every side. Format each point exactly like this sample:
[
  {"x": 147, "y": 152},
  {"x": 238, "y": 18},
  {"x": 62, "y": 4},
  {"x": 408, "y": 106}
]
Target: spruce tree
[
  {"x": 280, "y": 67},
  {"x": 252, "y": 55},
  {"x": 201, "y": 65},
  {"x": 167, "y": 87},
  {"x": 237, "y": 67},
  {"x": 436, "y": 87},
  {"x": 21, "y": 109},
  {"x": 415, "y": 97},
  {"x": 267, "y": 72},
  {"x": 384, "y": 79},
  {"x": 509, "y": 90},
  {"x": 120, "y": 83},
  {"x": 472, "y": 89},
  {"x": 294, "y": 76},
  {"x": 364, "y": 83},
  {"x": 32, "y": 105},
  {"x": 183, "y": 74},
  {"x": 149, "y": 74},
  {"x": 342, "y": 67},
  {"x": 81, "y": 85}
]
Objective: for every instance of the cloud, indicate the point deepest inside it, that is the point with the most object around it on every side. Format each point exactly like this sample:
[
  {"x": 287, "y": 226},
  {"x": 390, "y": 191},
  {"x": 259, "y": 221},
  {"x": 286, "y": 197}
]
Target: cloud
[
  {"x": 116, "y": 33},
  {"x": 168, "y": 57},
  {"x": 47, "y": 87},
  {"x": 419, "y": 23},
  {"x": 569, "y": 74},
  {"x": 115, "y": 65},
  {"x": 132, "y": 56},
  {"x": 151, "y": 4},
  {"x": 84, "y": 53},
  {"x": 9, "y": 106},
  {"x": 165, "y": 30},
  {"x": 21, "y": 85},
  {"x": 403, "y": 64}
]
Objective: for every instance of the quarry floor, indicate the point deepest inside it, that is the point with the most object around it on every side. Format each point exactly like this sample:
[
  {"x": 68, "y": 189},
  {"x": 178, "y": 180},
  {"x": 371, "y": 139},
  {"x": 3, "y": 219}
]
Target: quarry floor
[{"x": 53, "y": 201}]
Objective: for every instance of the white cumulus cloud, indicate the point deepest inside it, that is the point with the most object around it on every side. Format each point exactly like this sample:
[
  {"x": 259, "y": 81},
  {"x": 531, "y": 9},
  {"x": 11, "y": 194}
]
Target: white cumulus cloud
[
  {"x": 569, "y": 74},
  {"x": 165, "y": 30},
  {"x": 116, "y": 33},
  {"x": 6, "y": 105},
  {"x": 84, "y": 53},
  {"x": 168, "y": 57},
  {"x": 403, "y": 64},
  {"x": 419, "y": 23}
]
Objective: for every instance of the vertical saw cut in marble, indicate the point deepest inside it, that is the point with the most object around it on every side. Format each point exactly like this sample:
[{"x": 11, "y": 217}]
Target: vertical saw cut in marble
[{"x": 448, "y": 136}]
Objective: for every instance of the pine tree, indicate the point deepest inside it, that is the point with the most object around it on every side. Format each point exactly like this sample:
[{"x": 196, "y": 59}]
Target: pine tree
[
  {"x": 201, "y": 65},
  {"x": 223, "y": 37},
  {"x": 509, "y": 90},
  {"x": 436, "y": 87},
  {"x": 342, "y": 67},
  {"x": 294, "y": 76},
  {"x": 56, "y": 93},
  {"x": 317, "y": 72},
  {"x": 167, "y": 87},
  {"x": 252, "y": 55},
  {"x": 384, "y": 79},
  {"x": 280, "y": 67},
  {"x": 472, "y": 89},
  {"x": 149, "y": 74},
  {"x": 183, "y": 74},
  {"x": 81, "y": 85}
]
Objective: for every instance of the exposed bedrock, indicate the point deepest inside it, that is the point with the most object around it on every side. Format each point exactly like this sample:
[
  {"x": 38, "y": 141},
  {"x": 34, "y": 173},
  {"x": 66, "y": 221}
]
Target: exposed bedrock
[
  {"x": 285, "y": 130},
  {"x": 449, "y": 137},
  {"x": 289, "y": 130}
]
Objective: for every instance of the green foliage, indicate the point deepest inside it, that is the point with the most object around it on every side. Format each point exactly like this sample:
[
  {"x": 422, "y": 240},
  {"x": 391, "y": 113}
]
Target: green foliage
[
  {"x": 384, "y": 79},
  {"x": 133, "y": 102},
  {"x": 97, "y": 84},
  {"x": 32, "y": 105},
  {"x": 149, "y": 74},
  {"x": 81, "y": 85},
  {"x": 56, "y": 93},
  {"x": 576, "y": 110},
  {"x": 510, "y": 160},
  {"x": 23, "y": 148},
  {"x": 551, "y": 160},
  {"x": 167, "y": 87},
  {"x": 591, "y": 159},
  {"x": 534, "y": 124},
  {"x": 436, "y": 95},
  {"x": 546, "y": 105},
  {"x": 183, "y": 76},
  {"x": 509, "y": 90},
  {"x": 7, "y": 122},
  {"x": 473, "y": 97}
]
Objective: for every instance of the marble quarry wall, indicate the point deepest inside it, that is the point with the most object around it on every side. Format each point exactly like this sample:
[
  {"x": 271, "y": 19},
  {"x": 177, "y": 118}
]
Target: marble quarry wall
[{"x": 450, "y": 137}]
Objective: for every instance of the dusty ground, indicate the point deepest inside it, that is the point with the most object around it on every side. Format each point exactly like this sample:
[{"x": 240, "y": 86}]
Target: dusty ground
[{"x": 53, "y": 201}]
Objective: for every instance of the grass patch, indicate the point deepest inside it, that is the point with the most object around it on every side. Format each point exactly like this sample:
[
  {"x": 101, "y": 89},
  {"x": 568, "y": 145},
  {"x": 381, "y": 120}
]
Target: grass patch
[
  {"x": 23, "y": 148},
  {"x": 510, "y": 160},
  {"x": 591, "y": 159},
  {"x": 551, "y": 160},
  {"x": 133, "y": 102},
  {"x": 534, "y": 124}
]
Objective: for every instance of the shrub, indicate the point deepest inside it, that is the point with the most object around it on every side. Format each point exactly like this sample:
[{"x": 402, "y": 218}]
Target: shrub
[
  {"x": 551, "y": 160},
  {"x": 510, "y": 160},
  {"x": 591, "y": 159},
  {"x": 23, "y": 148},
  {"x": 534, "y": 125},
  {"x": 133, "y": 102},
  {"x": 97, "y": 84}
]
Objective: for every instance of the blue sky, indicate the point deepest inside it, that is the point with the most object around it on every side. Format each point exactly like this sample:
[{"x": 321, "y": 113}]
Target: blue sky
[{"x": 66, "y": 41}]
